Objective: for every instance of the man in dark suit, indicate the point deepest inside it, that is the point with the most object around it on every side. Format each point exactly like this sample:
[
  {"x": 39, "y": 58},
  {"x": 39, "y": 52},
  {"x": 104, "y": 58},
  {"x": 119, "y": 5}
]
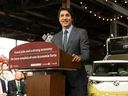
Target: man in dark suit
[
  {"x": 77, "y": 45},
  {"x": 3, "y": 88},
  {"x": 16, "y": 87}
]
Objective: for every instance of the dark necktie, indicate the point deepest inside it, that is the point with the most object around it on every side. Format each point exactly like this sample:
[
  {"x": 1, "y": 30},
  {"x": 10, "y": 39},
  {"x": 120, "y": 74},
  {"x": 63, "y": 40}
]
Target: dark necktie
[{"x": 65, "y": 40}]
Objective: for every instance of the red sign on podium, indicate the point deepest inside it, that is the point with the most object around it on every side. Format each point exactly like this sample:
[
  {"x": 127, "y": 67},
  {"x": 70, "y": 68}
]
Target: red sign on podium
[{"x": 34, "y": 55}]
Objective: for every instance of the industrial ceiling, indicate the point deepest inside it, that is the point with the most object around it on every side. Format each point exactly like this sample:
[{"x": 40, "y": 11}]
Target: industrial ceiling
[{"x": 31, "y": 19}]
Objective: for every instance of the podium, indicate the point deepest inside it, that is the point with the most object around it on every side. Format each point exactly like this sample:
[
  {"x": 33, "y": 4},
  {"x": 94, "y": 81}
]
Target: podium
[
  {"x": 42, "y": 56},
  {"x": 48, "y": 85}
]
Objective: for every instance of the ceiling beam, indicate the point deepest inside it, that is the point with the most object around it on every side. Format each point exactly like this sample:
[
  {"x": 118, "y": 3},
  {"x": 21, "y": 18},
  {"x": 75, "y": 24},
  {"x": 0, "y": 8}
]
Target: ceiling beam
[
  {"x": 51, "y": 26},
  {"x": 27, "y": 20},
  {"x": 113, "y": 6},
  {"x": 20, "y": 18},
  {"x": 37, "y": 14}
]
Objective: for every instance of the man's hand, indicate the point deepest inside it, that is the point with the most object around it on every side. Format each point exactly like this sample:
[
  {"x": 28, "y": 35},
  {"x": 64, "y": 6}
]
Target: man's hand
[
  {"x": 76, "y": 58},
  {"x": 3, "y": 94}
]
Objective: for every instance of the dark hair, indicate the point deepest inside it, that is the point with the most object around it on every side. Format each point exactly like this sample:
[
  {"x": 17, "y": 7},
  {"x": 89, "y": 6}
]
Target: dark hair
[{"x": 67, "y": 9}]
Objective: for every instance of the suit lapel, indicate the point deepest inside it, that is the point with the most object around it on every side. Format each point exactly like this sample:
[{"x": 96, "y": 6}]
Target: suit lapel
[{"x": 60, "y": 40}]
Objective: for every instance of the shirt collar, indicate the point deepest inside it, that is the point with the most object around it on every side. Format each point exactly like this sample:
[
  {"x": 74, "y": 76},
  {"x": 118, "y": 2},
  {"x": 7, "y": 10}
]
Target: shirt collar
[{"x": 68, "y": 29}]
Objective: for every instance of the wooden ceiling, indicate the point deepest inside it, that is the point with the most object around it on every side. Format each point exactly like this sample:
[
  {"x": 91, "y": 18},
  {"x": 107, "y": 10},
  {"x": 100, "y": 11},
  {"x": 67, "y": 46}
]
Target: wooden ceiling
[{"x": 30, "y": 19}]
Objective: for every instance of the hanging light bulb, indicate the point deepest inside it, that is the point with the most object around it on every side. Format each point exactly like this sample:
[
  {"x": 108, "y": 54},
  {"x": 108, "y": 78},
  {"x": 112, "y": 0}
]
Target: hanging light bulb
[
  {"x": 111, "y": 35},
  {"x": 115, "y": 1},
  {"x": 114, "y": 19},
  {"x": 81, "y": 2},
  {"x": 107, "y": 19},
  {"x": 125, "y": 2},
  {"x": 118, "y": 17},
  {"x": 90, "y": 11},
  {"x": 94, "y": 14},
  {"x": 85, "y": 7}
]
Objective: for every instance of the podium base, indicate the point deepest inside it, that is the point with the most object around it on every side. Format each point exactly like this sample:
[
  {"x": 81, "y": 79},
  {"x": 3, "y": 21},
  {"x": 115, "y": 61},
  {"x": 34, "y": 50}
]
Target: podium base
[{"x": 46, "y": 85}]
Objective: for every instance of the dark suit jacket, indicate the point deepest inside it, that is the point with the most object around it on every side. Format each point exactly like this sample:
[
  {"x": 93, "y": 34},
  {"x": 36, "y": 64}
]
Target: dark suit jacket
[
  {"x": 12, "y": 88},
  {"x": 77, "y": 44},
  {"x": 3, "y": 86}
]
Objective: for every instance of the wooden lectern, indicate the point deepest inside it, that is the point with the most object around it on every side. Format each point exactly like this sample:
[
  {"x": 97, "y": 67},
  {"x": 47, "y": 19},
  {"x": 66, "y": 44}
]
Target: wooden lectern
[
  {"x": 44, "y": 56},
  {"x": 47, "y": 85}
]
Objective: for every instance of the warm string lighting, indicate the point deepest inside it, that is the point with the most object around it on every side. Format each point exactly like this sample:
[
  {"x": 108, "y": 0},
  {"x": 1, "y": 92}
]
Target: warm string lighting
[
  {"x": 102, "y": 17},
  {"x": 115, "y": 1},
  {"x": 125, "y": 1}
]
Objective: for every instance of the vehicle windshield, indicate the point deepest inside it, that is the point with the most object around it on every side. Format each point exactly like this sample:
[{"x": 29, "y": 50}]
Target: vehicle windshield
[
  {"x": 118, "y": 45},
  {"x": 110, "y": 69}
]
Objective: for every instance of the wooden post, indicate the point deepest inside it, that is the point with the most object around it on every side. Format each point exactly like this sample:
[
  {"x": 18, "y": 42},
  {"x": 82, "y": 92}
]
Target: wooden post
[{"x": 66, "y": 3}]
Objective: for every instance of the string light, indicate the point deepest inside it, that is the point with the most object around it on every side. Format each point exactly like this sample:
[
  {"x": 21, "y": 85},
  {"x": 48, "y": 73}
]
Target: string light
[
  {"x": 99, "y": 17},
  {"x": 85, "y": 7},
  {"x": 115, "y": 1},
  {"x": 125, "y": 2},
  {"x": 81, "y": 2},
  {"x": 118, "y": 17},
  {"x": 90, "y": 11},
  {"x": 94, "y": 14},
  {"x": 122, "y": 2},
  {"x": 102, "y": 17}
]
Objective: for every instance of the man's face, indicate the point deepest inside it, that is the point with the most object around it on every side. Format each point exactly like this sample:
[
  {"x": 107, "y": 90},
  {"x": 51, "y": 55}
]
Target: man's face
[
  {"x": 5, "y": 67},
  {"x": 18, "y": 75},
  {"x": 65, "y": 19}
]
